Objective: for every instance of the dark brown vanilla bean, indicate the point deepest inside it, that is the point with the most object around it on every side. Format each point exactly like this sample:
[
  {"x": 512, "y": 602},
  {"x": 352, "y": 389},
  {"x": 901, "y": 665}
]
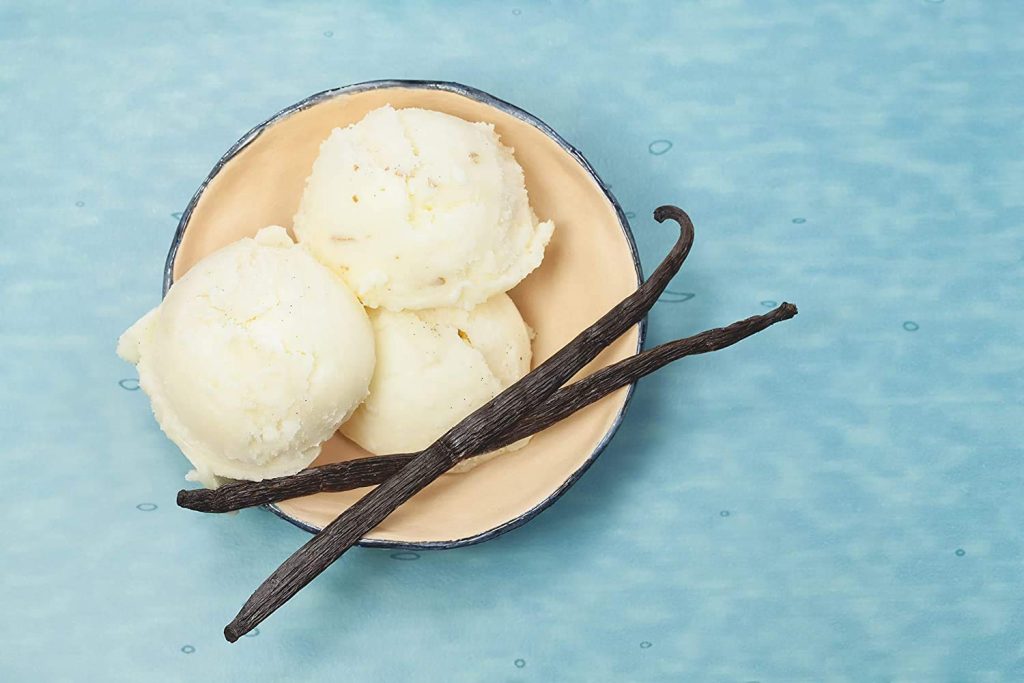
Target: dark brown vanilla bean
[
  {"x": 353, "y": 474},
  {"x": 339, "y": 476},
  {"x": 497, "y": 415}
]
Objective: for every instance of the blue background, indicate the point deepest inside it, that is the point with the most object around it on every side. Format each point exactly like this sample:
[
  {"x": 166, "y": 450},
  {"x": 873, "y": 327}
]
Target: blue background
[{"x": 838, "y": 498}]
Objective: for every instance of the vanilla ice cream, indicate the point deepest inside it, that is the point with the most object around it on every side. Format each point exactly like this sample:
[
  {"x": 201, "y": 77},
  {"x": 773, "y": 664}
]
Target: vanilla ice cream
[
  {"x": 253, "y": 359},
  {"x": 435, "y": 367},
  {"x": 419, "y": 209}
]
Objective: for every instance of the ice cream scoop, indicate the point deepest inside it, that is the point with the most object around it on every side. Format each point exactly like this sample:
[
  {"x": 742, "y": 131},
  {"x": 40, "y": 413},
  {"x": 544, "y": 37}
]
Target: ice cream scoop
[
  {"x": 255, "y": 357},
  {"x": 420, "y": 209},
  {"x": 434, "y": 367}
]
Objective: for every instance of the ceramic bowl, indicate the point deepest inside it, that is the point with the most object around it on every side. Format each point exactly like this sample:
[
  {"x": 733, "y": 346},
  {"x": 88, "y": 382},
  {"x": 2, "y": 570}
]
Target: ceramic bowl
[{"x": 590, "y": 264}]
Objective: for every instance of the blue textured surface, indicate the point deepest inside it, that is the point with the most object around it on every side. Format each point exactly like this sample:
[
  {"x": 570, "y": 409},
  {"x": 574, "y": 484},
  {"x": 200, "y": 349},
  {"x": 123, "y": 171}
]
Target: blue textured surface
[{"x": 836, "y": 499}]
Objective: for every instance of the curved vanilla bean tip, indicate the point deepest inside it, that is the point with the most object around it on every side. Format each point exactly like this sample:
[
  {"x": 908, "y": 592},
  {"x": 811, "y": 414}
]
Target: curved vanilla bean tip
[{"x": 668, "y": 211}]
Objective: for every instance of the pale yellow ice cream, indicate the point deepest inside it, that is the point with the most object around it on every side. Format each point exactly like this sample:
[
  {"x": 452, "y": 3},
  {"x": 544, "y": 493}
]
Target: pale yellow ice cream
[
  {"x": 434, "y": 367},
  {"x": 419, "y": 209},
  {"x": 253, "y": 359}
]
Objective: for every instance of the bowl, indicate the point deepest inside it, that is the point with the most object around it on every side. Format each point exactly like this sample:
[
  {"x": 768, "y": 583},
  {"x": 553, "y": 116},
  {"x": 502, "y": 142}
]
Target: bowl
[{"x": 590, "y": 265}]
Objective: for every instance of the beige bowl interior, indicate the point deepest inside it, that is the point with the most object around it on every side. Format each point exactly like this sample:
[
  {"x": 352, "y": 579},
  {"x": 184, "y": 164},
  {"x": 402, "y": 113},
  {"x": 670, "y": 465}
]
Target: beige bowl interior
[{"x": 587, "y": 269}]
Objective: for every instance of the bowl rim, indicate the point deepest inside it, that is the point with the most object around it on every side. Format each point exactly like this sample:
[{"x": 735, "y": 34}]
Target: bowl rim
[{"x": 507, "y": 108}]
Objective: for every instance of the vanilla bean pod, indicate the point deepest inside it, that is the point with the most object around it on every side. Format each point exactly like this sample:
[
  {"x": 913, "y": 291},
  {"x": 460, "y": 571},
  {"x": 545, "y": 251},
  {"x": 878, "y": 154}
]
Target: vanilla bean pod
[
  {"x": 352, "y": 474},
  {"x": 497, "y": 415}
]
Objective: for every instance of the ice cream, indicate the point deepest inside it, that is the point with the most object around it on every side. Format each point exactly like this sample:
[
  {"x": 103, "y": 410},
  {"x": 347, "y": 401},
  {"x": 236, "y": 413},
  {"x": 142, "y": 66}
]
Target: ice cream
[
  {"x": 435, "y": 367},
  {"x": 419, "y": 209},
  {"x": 253, "y": 359}
]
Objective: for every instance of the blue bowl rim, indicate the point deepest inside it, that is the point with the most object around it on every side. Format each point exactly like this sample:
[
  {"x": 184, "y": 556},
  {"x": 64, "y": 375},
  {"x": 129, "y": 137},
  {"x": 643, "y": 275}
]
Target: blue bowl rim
[{"x": 508, "y": 108}]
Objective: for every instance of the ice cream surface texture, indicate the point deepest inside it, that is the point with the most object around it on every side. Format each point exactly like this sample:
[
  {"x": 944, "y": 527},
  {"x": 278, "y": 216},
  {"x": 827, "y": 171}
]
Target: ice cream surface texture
[
  {"x": 434, "y": 367},
  {"x": 419, "y": 209},
  {"x": 253, "y": 359}
]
